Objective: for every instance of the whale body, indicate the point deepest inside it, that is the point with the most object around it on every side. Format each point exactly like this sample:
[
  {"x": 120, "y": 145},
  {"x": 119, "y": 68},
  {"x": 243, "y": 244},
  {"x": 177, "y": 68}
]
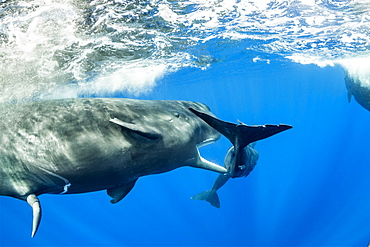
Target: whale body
[
  {"x": 81, "y": 145},
  {"x": 359, "y": 90},
  {"x": 74, "y": 146}
]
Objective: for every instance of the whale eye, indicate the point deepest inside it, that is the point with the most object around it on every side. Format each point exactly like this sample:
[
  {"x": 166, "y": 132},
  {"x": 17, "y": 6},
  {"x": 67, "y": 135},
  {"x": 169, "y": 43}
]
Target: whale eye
[
  {"x": 176, "y": 114},
  {"x": 242, "y": 167}
]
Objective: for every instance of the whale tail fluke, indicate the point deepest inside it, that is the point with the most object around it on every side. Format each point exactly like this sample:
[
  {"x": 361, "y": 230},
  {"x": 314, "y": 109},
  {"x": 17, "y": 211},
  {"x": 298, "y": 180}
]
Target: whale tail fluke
[
  {"x": 209, "y": 196},
  {"x": 240, "y": 135}
]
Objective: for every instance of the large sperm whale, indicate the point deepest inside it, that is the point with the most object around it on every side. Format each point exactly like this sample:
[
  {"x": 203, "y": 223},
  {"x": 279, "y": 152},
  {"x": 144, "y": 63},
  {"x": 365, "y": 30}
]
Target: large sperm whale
[{"x": 74, "y": 146}]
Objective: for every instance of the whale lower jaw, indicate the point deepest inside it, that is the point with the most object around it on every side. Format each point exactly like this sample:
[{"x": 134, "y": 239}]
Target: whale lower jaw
[
  {"x": 34, "y": 202},
  {"x": 200, "y": 162},
  {"x": 206, "y": 142}
]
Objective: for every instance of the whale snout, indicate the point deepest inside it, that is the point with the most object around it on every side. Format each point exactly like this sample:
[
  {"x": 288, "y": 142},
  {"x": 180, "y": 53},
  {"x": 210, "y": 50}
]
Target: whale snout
[{"x": 204, "y": 132}]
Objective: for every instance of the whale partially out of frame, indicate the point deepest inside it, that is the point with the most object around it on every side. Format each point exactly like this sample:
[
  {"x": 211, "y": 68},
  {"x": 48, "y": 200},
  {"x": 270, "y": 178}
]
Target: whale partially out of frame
[
  {"x": 360, "y": 90},
  {"x": 81, "y": 145}
]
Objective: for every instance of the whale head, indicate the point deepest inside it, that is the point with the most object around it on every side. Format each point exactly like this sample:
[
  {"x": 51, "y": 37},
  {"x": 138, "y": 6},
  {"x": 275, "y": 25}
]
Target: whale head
[{"x": 204, "y": 134}]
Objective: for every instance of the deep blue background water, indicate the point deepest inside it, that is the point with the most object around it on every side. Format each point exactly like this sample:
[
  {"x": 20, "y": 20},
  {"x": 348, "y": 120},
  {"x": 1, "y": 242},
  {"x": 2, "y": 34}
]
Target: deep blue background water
[{"x": 310, "y": 186}]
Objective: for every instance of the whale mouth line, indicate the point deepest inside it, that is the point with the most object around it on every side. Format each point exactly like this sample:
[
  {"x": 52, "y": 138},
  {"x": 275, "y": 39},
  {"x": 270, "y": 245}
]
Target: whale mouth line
[
  {"x": 67, "y": 183},
  {"x": 65, "y": 188}
]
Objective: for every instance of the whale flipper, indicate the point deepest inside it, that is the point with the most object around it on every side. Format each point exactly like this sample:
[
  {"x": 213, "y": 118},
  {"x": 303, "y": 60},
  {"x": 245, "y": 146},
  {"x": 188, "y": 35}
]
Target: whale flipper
[
  {"x": 349, "y": 96},
  {"x": 144, "y": 132},
  {"x": 209, "y": 196},
  {"x": 34, "y": 202},
  {"x": 120, "y": 192},
  {"x": 240, "y": 135}
]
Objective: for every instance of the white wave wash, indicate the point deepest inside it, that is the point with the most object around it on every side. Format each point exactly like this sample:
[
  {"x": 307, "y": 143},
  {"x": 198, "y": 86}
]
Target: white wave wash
[
  {"x": 56, "y": 48},
  {"x": 134, "y": 79},
  {"x": 324, "y": 33},
  {"x": 48, "y": 51},
  {"x": 28, "y": 43},
  {"x": 358, "y": 69}
]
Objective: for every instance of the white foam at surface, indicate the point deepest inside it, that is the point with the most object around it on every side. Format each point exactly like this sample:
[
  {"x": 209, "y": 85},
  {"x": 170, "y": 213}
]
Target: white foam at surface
[
  {"x": 30, "y": 68},
  {"x": 47, "y": 52},
  {"x": 136, "y": 78},
  {"x": 319, "y": 61},
  {"x": 32, "y": 38},
  {"x": 358, "y": 69}
]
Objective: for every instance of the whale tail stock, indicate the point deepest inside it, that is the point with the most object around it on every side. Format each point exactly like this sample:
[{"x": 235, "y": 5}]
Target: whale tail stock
[{"x": 240, "y": 135}]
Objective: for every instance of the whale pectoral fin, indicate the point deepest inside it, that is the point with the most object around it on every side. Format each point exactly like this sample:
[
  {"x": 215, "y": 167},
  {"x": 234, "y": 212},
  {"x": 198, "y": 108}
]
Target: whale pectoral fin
[
  {"x": 120, "y": 192},
  {"x": 144, "y": 132},
  {"x": 34, "y": 202},
  {"x": 349, "y": 96},
  {"x": 240, "y": 135}
]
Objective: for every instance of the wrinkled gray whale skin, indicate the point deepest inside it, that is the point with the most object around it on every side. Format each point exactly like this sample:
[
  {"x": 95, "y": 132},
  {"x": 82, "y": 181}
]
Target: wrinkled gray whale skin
[
  {"x": 81, "y": 145},
  {"x": 360, "y": 92},
  {"x": 74, "y": 146}
]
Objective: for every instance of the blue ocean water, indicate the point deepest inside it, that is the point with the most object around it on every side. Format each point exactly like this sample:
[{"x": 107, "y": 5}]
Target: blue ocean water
[{"x": 311, "y": 184}]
